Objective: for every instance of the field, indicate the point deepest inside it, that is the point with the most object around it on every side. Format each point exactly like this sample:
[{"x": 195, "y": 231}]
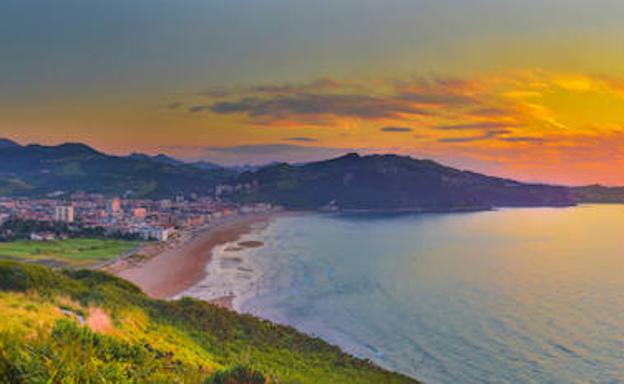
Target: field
[{"x": 72, "y": 252}]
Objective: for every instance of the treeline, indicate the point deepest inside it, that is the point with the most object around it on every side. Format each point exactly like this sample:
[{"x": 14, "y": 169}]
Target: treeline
[{"x": 19, "y": 229}]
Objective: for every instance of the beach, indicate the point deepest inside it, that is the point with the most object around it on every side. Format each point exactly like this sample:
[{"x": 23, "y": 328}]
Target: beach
[{"x": 177, "y": 269}]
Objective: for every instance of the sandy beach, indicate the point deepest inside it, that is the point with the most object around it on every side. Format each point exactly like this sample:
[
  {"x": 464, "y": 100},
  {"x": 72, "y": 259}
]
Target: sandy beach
[{"x": 175, "y": 270}]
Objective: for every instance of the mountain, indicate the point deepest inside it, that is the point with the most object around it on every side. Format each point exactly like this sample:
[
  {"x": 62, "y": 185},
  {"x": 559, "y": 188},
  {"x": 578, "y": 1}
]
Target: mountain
[
  {"x": 390, "y": 182},
  {"x": 160, "y": 158},
  {"x": 352, "y": 182},
  {"x": 201, "y": 164},
  {"x": 6, "y": 143},
  {"x": 234, "y": 168},
  {"x": 253, "y": 167},
  {"x": 598, "y": 194},
  {"x": 84, "y": 326},
  {"x": 38, "y": 170},
  {"x": 206, "y": 165}
]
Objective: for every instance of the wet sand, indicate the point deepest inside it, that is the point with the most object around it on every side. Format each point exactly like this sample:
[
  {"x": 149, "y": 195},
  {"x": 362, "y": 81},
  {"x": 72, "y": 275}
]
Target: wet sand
[{"x": 178, "y": 269}]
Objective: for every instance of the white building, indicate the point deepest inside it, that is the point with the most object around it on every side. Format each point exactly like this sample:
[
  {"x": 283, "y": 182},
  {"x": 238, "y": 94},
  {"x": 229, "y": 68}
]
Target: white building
[
  {"x": 43, "y": 236},
  {"x": 64, "y": 213},
  {"x": 156, "y": 233}
]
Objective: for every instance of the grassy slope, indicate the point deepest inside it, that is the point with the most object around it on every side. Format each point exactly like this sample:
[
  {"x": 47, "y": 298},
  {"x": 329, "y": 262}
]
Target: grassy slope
[
  {"x": 75, "y": 252},
  {"x": 43, "y": 339}
]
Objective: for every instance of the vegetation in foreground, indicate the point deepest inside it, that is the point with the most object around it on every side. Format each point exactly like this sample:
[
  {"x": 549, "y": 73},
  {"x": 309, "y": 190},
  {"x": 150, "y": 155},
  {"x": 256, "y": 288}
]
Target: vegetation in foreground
[
  {"x": 70, "y": 252},
  {"x": 84, "y": 326}
]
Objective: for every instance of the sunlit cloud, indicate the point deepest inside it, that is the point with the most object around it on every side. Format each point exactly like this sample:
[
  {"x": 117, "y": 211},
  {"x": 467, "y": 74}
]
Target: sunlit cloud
[{"x": 528, "y": 124}]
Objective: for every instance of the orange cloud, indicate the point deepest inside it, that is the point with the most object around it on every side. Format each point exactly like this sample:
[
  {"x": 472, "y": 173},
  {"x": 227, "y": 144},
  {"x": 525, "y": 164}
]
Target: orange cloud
[{"x": 535, "y": 124}]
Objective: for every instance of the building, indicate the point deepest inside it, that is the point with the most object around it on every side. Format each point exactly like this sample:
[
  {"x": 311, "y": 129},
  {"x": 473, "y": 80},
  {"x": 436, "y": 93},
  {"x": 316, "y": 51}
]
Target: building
[
  {"x": 64, "y": 213},
  {"x": 113, "y": 207},
  {"x": 156, "y": 233},
  {"x": 139, "y": 213},
  {"x": 43, "y": 236}
]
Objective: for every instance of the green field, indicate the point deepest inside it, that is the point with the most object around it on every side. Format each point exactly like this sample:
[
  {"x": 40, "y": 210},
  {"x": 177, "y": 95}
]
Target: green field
[{"x": 74, "y": 252}]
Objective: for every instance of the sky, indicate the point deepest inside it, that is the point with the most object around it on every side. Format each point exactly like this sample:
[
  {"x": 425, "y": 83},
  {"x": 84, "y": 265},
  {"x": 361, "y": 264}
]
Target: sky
[{"x": 532, "y": 90}]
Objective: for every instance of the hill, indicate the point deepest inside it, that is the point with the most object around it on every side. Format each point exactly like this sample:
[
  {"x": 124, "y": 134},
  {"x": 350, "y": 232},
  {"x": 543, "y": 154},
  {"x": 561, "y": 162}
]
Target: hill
[
  {"x": 88, "y": 327},
  {"x": 207, "y": 165},
  {"x": 390, "y": 182},
  {"x": 161, "y": 158},
  {"x": 6, "y": 143},
  {"x": 599, "y": 194},
  {"x": 38, "y": 170},
  {"x": 376, "y": 182}
]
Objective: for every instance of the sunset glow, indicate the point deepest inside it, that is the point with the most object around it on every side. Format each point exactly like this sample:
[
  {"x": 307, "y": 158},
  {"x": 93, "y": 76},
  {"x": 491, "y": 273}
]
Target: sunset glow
[{"x": 518, "y": 90}]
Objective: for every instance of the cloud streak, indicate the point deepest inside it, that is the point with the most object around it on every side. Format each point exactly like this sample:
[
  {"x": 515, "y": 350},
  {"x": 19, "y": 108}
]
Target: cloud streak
[
  {"x": 267, "y": 153},
  {"x": 470, "y": 139},
  {"x": 310, "y": 106},
  {"x": 474, "y": 126},
  {"x": 396, "y": 129},
  {"x": 301, "y": 139},
  {"x": 197, "y": 108}
]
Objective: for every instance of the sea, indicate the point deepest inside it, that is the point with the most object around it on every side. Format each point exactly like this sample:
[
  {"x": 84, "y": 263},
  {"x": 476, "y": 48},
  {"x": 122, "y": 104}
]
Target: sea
[{"x": 526, "y": 295}]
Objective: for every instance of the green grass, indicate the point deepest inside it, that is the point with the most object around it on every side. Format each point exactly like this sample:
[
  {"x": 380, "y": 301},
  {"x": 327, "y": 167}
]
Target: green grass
[
  {"x": 74, "y": 252},
  {"x": 43, "y": 340}
]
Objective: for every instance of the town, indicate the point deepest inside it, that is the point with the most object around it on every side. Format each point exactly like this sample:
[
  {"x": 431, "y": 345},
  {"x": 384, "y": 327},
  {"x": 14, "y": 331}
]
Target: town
[{"x": 159, "y": 220}]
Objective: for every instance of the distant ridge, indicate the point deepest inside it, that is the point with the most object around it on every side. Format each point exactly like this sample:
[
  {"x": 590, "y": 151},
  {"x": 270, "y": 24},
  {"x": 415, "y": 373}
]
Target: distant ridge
[
  {"x": 7, "y": 143},
  {"x": 599, "y": 194},
  {"x": 36, "y": 170},
  {"x": 160, "y": 158},
  {"x": 391, "y": 183},
  {"x": 351, "y": 181},
  {"x": 206, "y": 165}
]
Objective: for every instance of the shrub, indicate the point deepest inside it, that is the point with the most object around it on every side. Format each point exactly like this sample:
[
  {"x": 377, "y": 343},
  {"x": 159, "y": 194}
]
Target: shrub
[{"x": 237, "y": 375}]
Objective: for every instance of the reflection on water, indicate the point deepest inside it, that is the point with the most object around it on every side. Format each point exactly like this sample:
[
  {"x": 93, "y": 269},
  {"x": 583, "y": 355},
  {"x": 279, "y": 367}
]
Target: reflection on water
[{"x": 517, "y": 295}]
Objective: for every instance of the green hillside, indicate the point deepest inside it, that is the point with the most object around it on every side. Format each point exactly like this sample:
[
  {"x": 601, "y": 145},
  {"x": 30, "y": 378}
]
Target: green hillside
[{"x": 90, "y": 327}]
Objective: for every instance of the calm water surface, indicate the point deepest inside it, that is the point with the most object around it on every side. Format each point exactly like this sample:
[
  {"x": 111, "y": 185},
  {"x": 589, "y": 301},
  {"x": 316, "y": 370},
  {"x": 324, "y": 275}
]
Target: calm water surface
[{"x": 512, "y": 296}]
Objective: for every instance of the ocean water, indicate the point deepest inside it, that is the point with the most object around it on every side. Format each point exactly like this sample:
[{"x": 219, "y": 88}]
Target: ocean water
[{"x": 510, "y": 296}]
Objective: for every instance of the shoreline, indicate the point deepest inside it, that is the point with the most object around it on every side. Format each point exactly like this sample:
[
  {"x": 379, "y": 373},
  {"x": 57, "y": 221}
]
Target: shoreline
[{"x": 177, "y": 269}]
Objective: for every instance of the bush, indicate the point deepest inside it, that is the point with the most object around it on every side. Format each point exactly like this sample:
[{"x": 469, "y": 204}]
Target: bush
[
  {"x": 23, "y": 277},
  {"x": 237, "y": 375}
]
